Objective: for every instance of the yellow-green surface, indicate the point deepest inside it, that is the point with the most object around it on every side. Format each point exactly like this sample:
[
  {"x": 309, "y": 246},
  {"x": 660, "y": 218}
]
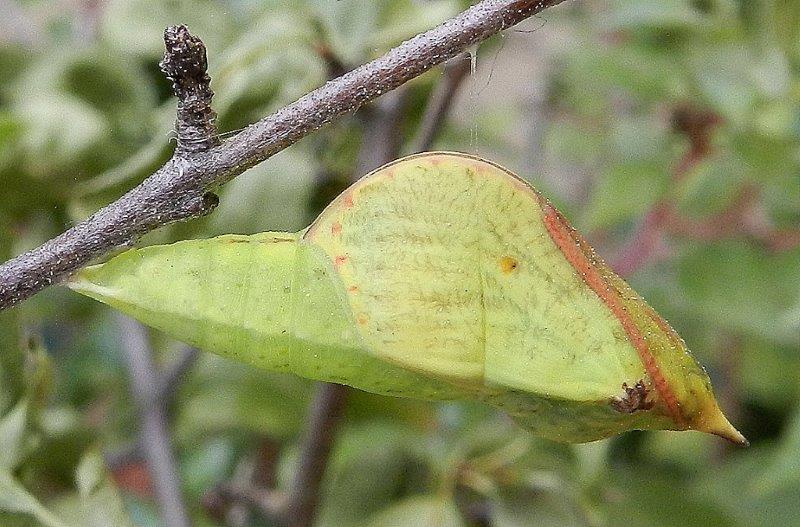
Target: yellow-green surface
[{"x": 433, "y": 277}]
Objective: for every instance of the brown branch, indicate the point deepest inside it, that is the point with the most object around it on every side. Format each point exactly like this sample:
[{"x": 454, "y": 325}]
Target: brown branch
[
  {"x": 269, "y": 504},
  {"x": 153, "y": 432},
  {"x": 440, "y": 102},
  {"x": 167, "y": 384},
  {"x": 250, "y": 491},
  {"x": 327, "y": 409},
  {"x": 382, "y": 139},
  {"x": 335, "y": 66},
  {"x": 169, "y": 380},
  {"x": 183, "y": 187}
]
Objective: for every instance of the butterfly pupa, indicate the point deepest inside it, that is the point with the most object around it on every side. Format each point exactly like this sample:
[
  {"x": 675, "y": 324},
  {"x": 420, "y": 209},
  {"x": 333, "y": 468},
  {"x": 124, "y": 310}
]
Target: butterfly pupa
[{"x": 439, "y": 276}]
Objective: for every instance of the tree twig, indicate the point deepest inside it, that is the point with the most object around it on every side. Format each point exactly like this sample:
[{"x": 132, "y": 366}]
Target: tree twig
[
  {"x": 327, "y": 408},
  {"x": 252, "y": 490},
  {"x": 183, "y": 187},
  {"x": 153, "y": 431},
  {"x": 268, "y": 503},
  {"x": 440, "y": 102},
  {"x": 169, "y": 380},
  {"x": 743, "y": 217},
  {"x": 381, "y": 140},
  {"x": 167, "y": 384},
  {"x": 646, "y": 241}
]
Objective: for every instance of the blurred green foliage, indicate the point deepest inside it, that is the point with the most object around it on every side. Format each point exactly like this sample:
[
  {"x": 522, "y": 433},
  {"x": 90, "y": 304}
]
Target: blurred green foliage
[{"x": 85, "y": 114}]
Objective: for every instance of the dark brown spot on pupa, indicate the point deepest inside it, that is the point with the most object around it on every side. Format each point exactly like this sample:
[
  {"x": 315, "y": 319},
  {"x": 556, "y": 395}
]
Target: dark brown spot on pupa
[{"x": 633, "y": 399}]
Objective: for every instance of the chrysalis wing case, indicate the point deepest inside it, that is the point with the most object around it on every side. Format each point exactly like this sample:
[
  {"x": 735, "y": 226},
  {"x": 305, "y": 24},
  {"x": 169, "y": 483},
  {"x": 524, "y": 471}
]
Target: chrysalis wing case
[{"x": 437, "y": 276}]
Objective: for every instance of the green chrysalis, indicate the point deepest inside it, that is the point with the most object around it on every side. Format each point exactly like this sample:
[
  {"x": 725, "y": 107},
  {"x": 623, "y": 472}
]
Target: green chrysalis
[{"x": 438, "y": 276}]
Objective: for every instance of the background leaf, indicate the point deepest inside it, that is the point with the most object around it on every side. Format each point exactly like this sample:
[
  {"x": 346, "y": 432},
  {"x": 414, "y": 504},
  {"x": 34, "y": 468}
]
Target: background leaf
[
  {"x": 15, "y": 499},
  {"x": 422, "y": 512},
  {"x": 101, "y": 504}
]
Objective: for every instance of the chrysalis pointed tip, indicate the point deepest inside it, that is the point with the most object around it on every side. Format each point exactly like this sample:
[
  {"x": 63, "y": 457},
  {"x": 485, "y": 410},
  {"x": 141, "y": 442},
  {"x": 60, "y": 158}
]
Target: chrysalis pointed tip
[
  {"x": 718, "y": 424},
  {"x": 732, "y": 435}
]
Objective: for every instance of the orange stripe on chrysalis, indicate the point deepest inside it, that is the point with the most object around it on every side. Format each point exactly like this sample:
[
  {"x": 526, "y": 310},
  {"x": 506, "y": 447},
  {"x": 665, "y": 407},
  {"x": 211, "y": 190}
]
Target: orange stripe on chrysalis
[{"x": 577, "y": 252}]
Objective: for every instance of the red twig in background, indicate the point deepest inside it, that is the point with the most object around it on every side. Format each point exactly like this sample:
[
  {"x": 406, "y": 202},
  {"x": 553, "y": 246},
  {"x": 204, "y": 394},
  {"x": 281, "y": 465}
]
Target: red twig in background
[
  {"x": 646, "y": 241},
  {"x": 743, "y": 217}
]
